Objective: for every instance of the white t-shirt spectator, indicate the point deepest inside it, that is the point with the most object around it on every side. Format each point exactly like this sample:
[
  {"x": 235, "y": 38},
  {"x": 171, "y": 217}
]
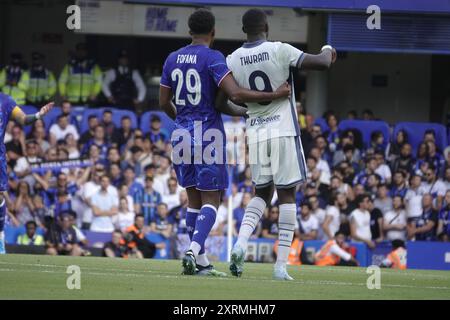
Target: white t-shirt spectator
[
  {"x": 384, "y": 172},
  {"x": 103, "y": 201},
  {"x": 320, "y": 216},
  {"x": 335, "y": 223},
  {"x": 362, "y": 221},
  {"x": 23, "y": 163},
  {"x": 60, "y": 133},
  {"x": 88, "y": 190},
  {"x": 384, "y": 205},
  {"x": 123, "y": 220},
  {"x": 172, "y": 200},
  {"x": 308, "y": 225},
  {"x": 437, "y": 187},
  {"x": 392, "y": 217},
  {"x": 413, "y": 201}
]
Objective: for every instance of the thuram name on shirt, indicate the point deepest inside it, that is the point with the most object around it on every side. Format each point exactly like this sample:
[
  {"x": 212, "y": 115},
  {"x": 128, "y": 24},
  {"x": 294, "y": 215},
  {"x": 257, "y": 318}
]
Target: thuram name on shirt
[{"x": 255, "y": 58}]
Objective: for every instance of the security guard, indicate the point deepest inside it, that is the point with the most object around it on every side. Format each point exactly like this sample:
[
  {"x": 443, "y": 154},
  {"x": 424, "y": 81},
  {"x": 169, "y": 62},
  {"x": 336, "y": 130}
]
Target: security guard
[
  {"x": 30, "y": 237},
  {"x": 81, "y": 79},
  {"x": 123, "y": 86},
  {"x": 42, "y": 81},
  {"x": 15, "y": 80}
]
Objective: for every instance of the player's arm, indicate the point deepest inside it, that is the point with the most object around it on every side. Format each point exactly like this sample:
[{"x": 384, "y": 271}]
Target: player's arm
[
  {"x": 26, "y": 119},
  {"x": 320, "y": 61},
  {"x": 225, "y": 107},
  {"x": 165, "y": 101},
  {"x": 240, "y": 95}
]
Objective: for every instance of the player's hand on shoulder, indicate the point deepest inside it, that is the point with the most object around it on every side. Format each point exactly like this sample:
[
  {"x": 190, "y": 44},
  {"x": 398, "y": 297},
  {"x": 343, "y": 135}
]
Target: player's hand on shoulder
[
  {"x": 45, "y": 109},
  {"x": 284, "y": 90}
]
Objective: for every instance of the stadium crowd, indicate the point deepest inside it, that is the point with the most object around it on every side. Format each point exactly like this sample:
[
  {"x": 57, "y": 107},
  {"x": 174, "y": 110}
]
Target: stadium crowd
[{"x": 382, "y": 192}]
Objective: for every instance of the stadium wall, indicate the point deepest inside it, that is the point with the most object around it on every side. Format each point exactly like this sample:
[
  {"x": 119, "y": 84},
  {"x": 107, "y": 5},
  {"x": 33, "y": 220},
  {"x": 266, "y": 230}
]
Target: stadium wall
[{"x": 396, "y": 87}]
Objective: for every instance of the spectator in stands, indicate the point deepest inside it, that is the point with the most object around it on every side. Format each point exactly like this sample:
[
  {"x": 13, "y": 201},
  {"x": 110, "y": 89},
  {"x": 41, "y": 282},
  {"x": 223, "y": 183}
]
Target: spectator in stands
[
  {"x": 372, "y": 184},
  {"x": 108, "y": 125},
  {"x": 117, "y": 248},
  {"x": 81, "y": 78},
  {"x": 423, "y": 228},
  {"x": 383, "y": 201},
  {"x": 172, "y": 198},
  {"x": 39, "y": 134},
  {"x": 382, "y": 169},
  {"x": 22, "y": 168},
  {"x": 41, "y": 213},
  {"x": 63, "y": 203},
  {"x": 247, "y": 184},
  {"x": 447, "y": 178},
  {"x": 113, "y": 156},
  {"x": 333, "y": 133},
  {"x": 332, "y": 220},
  {"x": 98, "y": 140},
  {"x": 322, "y": 165},
  {"x": 30, "y": 237},
  {"x": 123, "y": 86},
  {"x": 149, "y": 201},
  {"x": 360, "y": 222},
  {"x": 157, "y": 135},
  {"x": 376, "y": 222},
  {"x": 135, "y": 236},
  {"x": 61, "y": 239},
  {"x": 135, "y": 189},
  {"x": 413, "y": 197},
  {"x": 399, "y": 187},
  {"x": 238, "y": 213},
  {"x": 347, "y": 150},
  {"x": 421, "y": 157},
  {"x": 163, "y": 169},
  {"x": 123, "y": 134},
  {"x": 405, "y": 162},
  {"x": 89, "y": 134},
  {"x": 66, "y": 110},
  {"x": 368, "y": 115},
  {"x": 377, "y": 143},
  {"x": 61, "y": 129},
  {"x": 345, "y": 208},
  {"x": 15, "y": 79},
  {"x": 134, "y": 161},
  {"x": 435, "y": 157},
  {"x": 352, "y": 115},
  {"x": 124, "y": 192},
  {"x": 270, "y": 224},
  {"x": 307, "y": 224},
  {"x": 124, "y": 217},
  {"x": 394, "y": 148},
  {"x": 72, "y": 147},
  {"x": 443, "y": 229},
  {"x": 178, "y": 214},
  {"x": 23, "y": 204},
  {"x": 321, "y": 143},
  {"x": 429, "y": 136},
  {"x": 371, "y": 166},
  {"x": 338, "y": 186},
  {"x": 104, "y": 207},
  {"x": 434, "y": 186},
  {"x": 51, "y": 192},
  {"x": 394, "y": 221},
  {"x": 162, "y": 223},
  {"x": 16, "y": 147}
]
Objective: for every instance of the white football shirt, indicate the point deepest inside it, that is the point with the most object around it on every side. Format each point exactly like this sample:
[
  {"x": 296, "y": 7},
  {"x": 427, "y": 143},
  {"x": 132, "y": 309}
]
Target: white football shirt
[{"x": 265, "y": 66}]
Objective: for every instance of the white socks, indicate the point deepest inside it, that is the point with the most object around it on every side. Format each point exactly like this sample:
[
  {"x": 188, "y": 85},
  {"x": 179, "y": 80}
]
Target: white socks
[
  {"x": 253, "y": 213},
  {"x": 202, "y": 260},
  {"x": 286, "y": 226}
]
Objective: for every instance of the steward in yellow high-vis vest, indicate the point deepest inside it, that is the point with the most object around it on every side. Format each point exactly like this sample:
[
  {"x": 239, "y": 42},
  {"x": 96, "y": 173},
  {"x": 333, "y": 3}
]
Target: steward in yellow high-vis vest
[
  {"x": 15, "y": 80},
  {"x": 30, "y": 237},
  {"x": 81, "y": 79},
  {"x": 42, "y": 82}
]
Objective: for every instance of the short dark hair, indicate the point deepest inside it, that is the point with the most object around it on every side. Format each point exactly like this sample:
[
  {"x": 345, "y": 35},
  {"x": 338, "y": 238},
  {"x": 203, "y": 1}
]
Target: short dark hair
[
  {"x": 254, "y": 21},
  {"x": 360, "y": 198},
  {"x": 31, "y": 223},
  {"x": 430, "y": 131},
  {"x": 140, "y": 215},
  {"x": 202, "y": 21}
]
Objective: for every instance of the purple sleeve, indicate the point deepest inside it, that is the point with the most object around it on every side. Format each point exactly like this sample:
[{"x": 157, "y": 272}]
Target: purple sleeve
[
  {"x": 217, "y": 67},
  {"x": 165, "y": 77}
]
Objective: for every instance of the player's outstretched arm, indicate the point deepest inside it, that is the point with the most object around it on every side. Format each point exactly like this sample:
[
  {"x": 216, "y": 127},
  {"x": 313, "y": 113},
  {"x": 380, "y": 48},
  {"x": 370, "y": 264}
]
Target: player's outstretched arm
[
  {"x": 26, "y": 119},
  {"x": 240, "y": 95},
  {"x": 321, "y": 61},
  {"x": 230, "y": 109},
  {"x": 165, "y": 102}
]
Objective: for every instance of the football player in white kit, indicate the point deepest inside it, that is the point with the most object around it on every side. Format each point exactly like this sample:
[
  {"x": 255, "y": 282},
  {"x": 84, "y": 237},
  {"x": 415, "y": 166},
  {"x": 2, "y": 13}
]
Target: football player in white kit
[{"x": 275, "y": 151}]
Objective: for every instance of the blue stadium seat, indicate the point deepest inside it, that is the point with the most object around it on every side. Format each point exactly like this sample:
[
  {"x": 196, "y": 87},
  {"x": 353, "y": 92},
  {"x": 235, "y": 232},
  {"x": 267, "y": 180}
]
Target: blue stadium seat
[
  {"x": 28, "y": 110},
  {"x": 166, "y": 122},
  {"x": 416, "y": 130},
  {"x": 366, "y": 128},
  {"x": 322, "y": 123}
]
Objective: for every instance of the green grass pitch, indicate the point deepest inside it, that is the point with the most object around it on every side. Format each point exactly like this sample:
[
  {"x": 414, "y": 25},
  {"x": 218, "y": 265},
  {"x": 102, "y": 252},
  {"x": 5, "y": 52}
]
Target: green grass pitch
[{"x": 44, "y": 277}]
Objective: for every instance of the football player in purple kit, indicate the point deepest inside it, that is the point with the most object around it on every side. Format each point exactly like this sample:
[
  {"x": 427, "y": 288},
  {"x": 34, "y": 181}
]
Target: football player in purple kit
[
  {"x": 10, "y": 110},
  {"x": 190, "y": 81}
]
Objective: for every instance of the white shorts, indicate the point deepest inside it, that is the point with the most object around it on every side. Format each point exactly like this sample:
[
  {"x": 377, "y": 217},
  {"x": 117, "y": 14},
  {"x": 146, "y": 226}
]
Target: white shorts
[{"x": 279, "y": 161}]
